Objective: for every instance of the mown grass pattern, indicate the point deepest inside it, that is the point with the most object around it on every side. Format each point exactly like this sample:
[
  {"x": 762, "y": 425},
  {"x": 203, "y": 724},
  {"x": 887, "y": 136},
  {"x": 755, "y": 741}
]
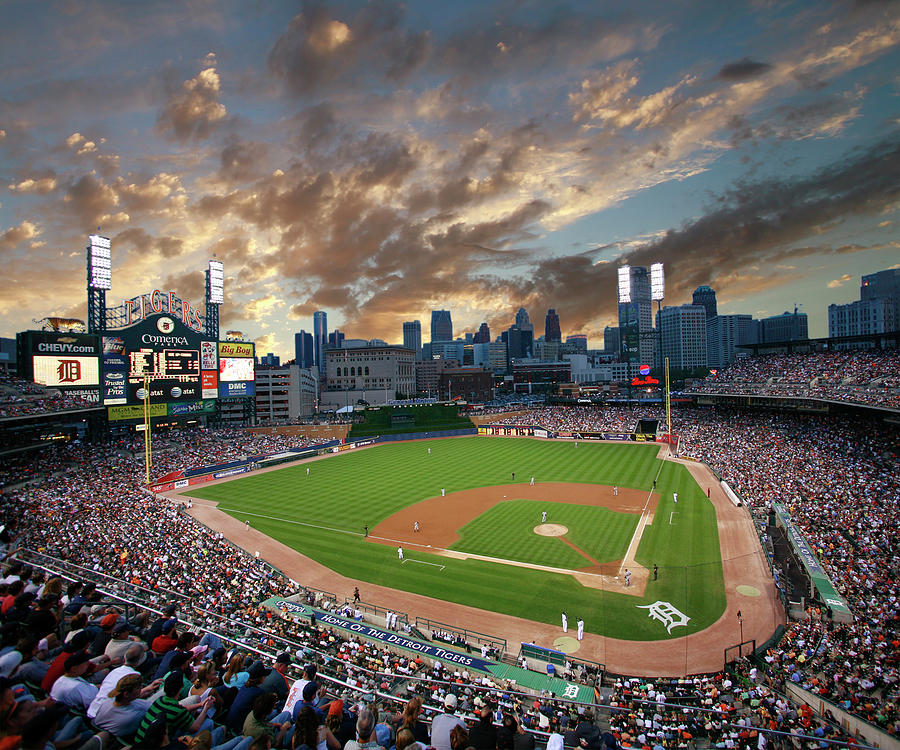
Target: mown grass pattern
[{"x": 345, "y": 492}]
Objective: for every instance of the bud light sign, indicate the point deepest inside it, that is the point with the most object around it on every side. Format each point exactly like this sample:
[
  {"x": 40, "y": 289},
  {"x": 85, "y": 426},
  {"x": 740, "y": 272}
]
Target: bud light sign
[{"x": 237, "y": 389}]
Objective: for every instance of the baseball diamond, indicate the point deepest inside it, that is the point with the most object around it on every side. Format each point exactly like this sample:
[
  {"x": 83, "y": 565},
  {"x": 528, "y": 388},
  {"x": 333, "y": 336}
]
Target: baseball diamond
[{"x": 496, "y": 566}]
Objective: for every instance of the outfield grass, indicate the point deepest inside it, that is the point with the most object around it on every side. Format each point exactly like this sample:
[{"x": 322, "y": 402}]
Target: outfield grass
[{"x": 322, "y": 516}]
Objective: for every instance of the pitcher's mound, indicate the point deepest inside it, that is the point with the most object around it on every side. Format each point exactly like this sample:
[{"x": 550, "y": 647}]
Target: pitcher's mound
[{"x": 551, "y": 529}]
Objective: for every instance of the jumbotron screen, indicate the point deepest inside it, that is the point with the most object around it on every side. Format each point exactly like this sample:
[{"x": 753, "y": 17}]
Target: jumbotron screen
[{"x": 183, "y": 364}]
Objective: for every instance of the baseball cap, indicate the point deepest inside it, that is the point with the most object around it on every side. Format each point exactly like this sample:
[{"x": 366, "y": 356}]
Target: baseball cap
[
  {"x": 450, "y": 700},
  {"x": 121, "y": 628},
  {"x": 108, "y": 621},
  {"x": 258, "y": 670},
  {"x": 310, "y": 689},
  {"x": 283, "y": 658}
]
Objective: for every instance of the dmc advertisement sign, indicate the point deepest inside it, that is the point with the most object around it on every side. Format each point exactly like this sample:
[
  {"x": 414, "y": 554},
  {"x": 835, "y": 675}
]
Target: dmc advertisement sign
[{"x": 237, "y": 389}]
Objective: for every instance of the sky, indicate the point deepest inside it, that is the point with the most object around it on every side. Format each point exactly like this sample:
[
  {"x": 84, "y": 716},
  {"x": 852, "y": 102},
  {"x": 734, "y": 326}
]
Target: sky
[{"x": 379, "y": 160}]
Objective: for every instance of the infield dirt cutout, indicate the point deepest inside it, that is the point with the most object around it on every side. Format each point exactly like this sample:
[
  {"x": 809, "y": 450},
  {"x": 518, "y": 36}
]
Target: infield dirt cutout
[
  {"x": 743, "y": 564},
  {"x": 439, "y": 519}
]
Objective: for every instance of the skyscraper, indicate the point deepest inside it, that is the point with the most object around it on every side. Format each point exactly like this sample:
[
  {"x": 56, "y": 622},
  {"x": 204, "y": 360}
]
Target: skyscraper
[
  {"x": 523, "y": 322},
  {"x": 303, "y": 349},
  {"x": 706, "y": 297},
  {"x": 441, "y": 326},
  {"x": 320, "y": 336},
  {"x": 636, "y": 344},
  {"x": 412, "y": 337},
  {"x": 483, "y": 336},
  {"x": 683, "y": 335},
  {"x": 551, "y": 326}
]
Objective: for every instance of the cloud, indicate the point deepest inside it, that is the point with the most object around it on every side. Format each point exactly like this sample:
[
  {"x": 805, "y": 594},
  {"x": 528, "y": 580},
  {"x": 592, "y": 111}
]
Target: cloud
[
  {"x": 743, "y": 70},
  {"x": 835, "y": 283},
  {"x": 318, "y": 49},
  {"x": 39, "y": 185},
  {"x": 24, "y": 231},
  {"x": 193, "y": 112}
]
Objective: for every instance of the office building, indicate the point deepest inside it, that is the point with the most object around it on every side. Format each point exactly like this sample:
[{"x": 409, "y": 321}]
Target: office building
[
  {"x": 519, "y": 343},
  {"x": 371, "y": 374},
  {"x": 320, "y": 339},
  {"x": 474, "y": 384},
  {"x": 706, "y": 297},
  {"x": 428, "y": 376},
  {"x": 412, "y": 337},
  {"x": 682, "y": 333},
  {"x": 523, "y": 322},
  {"x": 270, "y": 360},
  {"x": 551, "y": 326},
  {"x": 336, "y": 339},
  {"x": 785, "y": 327},
  {"x": 862, "y": 318},
  {"x": 577, "y": 343},
  {"x": 304, "y": 350},
  {"x": 637, "y": 342},
  {"x": 441, "y": 326},
  {"x": 724, "y": 333},
  {"x": 611, "y": 343},
  {"x": 883, "y": 285},
  {"x": 284, "y": 394},
  {"x": 483, "y": 336}
]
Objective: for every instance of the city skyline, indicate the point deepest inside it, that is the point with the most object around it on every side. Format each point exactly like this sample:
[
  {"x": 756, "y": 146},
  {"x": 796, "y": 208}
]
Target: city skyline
[{"x": 377, "y": 162}]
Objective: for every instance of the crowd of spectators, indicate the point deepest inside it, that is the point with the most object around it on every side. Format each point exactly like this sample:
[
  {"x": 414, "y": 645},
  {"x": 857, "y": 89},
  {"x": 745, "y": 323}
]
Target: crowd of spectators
[
  {"x": 838, "y": 479},
  {"x": 19, "y": 397},
  {"x": 576, "y": 419},
  {"x": 860, "y": 376}
]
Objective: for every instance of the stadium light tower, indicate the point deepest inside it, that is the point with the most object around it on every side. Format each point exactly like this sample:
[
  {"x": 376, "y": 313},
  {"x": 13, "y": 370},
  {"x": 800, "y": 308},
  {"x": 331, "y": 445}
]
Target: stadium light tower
[
  {"x": 624, "y": 284},
  {"x": 657, "y": 283},
  {"x": 99, "y": 279},
  {"x": 215, "y": 296}
]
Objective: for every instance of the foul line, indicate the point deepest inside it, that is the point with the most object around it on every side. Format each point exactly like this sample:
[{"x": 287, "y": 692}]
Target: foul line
[
  {"x": 421, "y": 562},
  {"x": 296, "y": 523},
  {"x": 642, "y": 522}
]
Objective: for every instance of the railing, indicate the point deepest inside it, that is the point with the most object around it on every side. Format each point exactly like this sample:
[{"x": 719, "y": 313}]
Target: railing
[{"x": 429, "y": 626}]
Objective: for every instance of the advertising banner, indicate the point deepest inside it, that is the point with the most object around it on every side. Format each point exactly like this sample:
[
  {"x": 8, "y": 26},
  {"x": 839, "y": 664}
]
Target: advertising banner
[
  {"x": 208, "y": 359},
  {"x": 164, "y": 390},
  {"x": 114, "y": 353},
  {"x": 232, "y": 369},
  {"x": 65, "y": 344},
  {"x": 117, "y": 413},
  {"x": 387, "y": 637},
  {"x": 240, "y": 388},
  {"x": 209, "y": 383},
  {"x": 114, "y": 391},
  {"x": 66, "y": 370},
  {"x": 235, "y": 349},
  {"x": 197, "y": 407}
]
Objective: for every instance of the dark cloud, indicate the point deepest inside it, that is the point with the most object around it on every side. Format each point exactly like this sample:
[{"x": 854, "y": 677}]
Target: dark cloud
[
  {"x": 321, "y": 46},
  {"x": 760, "y": 222},
  {"x": 242, "y": 161},
  {"x": 743, "y": 70},
  {"x": 89, "y": 199},
  {"x": 146, "y": 244},
  {"x": 193, "y": 111}
]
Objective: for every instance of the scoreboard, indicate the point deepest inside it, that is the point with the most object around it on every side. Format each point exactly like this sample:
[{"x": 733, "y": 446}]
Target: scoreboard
[{"x": 179, "y": 364}]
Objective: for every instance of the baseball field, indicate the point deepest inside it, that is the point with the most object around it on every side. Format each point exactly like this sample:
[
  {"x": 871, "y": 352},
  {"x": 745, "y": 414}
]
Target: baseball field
[{"x": 485, "y": 542}]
